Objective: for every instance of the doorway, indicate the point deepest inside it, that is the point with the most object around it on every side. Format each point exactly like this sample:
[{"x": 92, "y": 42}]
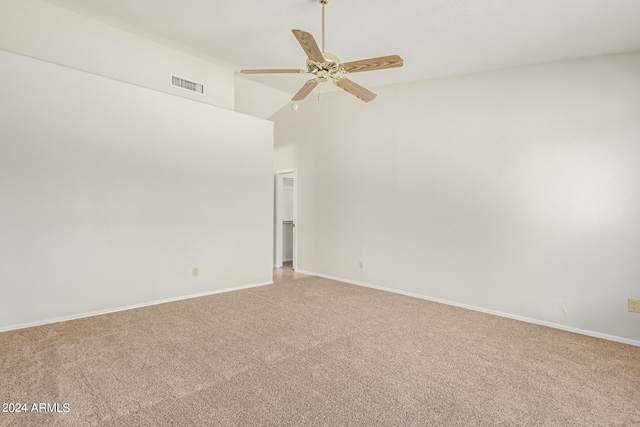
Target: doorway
[{"x": 285, "y": 220}]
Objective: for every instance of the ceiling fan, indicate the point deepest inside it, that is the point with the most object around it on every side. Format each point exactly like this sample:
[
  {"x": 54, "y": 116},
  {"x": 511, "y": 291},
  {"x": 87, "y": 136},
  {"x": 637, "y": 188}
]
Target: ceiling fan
[{"x": 326, "y": 66}]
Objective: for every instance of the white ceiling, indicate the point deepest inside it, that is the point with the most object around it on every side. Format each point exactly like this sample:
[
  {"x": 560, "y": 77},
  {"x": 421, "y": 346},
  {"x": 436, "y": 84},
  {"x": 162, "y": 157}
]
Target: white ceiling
[{"x": 436, "y": 38}]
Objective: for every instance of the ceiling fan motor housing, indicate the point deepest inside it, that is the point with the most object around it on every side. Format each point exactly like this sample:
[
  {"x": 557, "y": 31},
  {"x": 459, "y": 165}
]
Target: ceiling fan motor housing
[{"x": 325, "y": 70}]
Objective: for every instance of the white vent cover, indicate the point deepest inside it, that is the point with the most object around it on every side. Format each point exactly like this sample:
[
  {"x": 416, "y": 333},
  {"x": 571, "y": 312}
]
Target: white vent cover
[{"x": 186, "y": 84}]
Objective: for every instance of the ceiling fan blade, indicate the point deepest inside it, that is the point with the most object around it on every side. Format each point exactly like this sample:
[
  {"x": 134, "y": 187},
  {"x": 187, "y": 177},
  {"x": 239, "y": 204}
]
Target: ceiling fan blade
[
  {"x": 306, "y": 90},
  {"x": 309, "y": 45},
  {"x": 273, "y": 71},
  {"x": 355, "y": 89},
  {"x": 380, "y": 63}
]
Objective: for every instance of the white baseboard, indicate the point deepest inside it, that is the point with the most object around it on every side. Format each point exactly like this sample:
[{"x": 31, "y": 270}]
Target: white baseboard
[
  {"x": 483, "y": 310},
  {"x": 127, "y": 307}
]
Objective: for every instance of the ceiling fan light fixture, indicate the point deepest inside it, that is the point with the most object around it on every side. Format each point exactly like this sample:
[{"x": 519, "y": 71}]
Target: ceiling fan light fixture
[{"x": 326, "y": 66}]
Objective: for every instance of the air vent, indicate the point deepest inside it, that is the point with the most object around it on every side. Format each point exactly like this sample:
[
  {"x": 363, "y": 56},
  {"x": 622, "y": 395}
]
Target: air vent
[{"x": 186, "y": 84}]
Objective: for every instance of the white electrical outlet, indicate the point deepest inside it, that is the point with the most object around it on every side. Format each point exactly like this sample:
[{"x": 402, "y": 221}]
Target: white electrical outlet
[
  {"x": 634, "y": 305},
  {"x": 194, "y": 272},
  {"x": 361, "y": 264}
]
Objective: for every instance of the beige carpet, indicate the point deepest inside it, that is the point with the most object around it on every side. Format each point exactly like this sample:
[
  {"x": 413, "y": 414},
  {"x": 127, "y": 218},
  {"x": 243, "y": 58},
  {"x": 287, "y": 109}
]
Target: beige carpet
[{"x": 315, "y": 352}]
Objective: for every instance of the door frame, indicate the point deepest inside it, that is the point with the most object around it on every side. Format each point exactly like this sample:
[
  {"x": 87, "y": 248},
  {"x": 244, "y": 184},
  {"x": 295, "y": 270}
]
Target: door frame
[{"x": 278, "y": 235}]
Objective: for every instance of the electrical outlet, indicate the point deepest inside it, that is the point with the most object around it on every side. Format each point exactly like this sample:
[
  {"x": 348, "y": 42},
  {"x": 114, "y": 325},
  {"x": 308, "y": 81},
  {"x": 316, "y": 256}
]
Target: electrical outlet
[
  {"x": 634, "y": 305},
  {"x": 361, "y": 264},
  {"x": 194, "y": 272}
]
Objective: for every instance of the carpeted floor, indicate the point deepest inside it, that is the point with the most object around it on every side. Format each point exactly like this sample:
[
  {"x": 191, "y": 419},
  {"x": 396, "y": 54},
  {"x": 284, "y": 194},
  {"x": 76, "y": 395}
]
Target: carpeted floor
[{"x": 314, "y": 352}]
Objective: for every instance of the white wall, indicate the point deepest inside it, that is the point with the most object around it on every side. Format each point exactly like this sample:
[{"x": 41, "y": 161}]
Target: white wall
[
  {"x": 40, "y": 30},
  {"x": 110, "y": 193},
  {"x": 515, "y": 191},
  {"x": 258, "y": 100}
]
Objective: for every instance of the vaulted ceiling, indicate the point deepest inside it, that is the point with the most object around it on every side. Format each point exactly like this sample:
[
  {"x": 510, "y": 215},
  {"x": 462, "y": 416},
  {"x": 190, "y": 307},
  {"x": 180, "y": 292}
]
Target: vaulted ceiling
[{"x": 436, "y": 38}]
